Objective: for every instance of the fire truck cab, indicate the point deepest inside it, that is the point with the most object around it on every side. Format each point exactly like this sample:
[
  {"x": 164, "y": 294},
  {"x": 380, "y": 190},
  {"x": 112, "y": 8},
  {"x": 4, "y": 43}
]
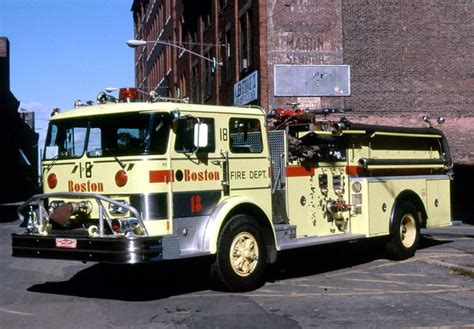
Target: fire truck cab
[{"x": 139, "y": 182}]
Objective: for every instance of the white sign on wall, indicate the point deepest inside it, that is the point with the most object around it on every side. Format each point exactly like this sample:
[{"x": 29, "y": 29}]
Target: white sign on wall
[
  {"x": 246, "y": 90},
  {"x": 312, "y": 80}
]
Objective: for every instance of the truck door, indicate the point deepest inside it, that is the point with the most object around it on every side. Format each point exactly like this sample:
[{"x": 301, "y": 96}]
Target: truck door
[
  {"x": 248, "y": 160},
  {"x": 196, "y": 183}
]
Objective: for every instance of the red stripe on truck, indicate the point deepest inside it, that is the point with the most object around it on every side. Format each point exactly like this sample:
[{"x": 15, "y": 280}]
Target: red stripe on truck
[
  {"x": 161, "y": 176},
  {"x": 299, "y": 171}
]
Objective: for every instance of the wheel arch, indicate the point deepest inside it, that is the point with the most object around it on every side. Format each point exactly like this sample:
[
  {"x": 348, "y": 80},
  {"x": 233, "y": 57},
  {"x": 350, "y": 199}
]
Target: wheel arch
[
  {"x": 416, "y": 201},
  {"x": 234, "y": 206}
]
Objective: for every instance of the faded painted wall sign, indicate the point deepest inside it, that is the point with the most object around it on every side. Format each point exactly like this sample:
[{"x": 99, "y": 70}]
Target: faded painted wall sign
[{"x": 312, "y": 80}]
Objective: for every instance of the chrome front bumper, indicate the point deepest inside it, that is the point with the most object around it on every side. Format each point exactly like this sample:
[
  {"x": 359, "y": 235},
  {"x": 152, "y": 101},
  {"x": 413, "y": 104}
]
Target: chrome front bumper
[{"x": 126, "y": 250}]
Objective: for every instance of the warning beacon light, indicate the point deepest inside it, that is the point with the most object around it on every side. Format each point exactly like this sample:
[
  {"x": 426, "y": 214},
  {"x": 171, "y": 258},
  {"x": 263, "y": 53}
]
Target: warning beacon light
[{"x": 128, "y": 95}]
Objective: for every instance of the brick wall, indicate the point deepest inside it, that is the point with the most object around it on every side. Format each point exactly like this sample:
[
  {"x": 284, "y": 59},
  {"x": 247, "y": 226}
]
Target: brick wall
[
  {"x": 303, "y": 32},
  {"x": 4, "y": 69},
  {"x": 458, "y": 129},
  {"x": 3, "y": 47},
  {"x": 21, "y": 181},
  {"x": 410, "y": 58}
]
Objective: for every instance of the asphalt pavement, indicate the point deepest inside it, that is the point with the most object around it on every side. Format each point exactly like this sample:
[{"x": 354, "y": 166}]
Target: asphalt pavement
[{"x": 343, "y": 285}]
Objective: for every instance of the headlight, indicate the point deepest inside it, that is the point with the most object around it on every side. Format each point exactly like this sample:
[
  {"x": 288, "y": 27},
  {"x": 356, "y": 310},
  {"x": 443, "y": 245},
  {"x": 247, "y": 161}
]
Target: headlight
[
  {"x": 53, "y": 205},
  {"x": 116, "y": 209}
]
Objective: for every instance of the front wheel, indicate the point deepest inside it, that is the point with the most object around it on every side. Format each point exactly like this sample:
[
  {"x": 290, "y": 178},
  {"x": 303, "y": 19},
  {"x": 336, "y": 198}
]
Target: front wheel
[
  {"x": 241, "y": 255},
  {"x": 405, "y": 232}
]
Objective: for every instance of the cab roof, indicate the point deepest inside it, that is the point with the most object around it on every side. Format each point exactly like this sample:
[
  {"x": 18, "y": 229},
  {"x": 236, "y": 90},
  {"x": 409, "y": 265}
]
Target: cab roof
[{"x": 117, "y": 108}]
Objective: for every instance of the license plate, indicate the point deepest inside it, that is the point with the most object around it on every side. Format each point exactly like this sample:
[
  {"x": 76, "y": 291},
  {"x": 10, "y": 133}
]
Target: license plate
[{"x": 66, "y": 243}]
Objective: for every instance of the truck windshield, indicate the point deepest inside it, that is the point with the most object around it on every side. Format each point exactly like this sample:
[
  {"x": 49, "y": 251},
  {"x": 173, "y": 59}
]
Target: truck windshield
[{"x": 108, "y": 135}]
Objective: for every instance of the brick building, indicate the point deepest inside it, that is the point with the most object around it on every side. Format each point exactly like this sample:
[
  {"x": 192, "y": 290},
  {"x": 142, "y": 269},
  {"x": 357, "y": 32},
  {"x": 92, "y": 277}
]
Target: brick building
[
  {"x": 407, "y": 58},
  {"x": 225, "y": 30},
  {"x": 18, "y": 142}
]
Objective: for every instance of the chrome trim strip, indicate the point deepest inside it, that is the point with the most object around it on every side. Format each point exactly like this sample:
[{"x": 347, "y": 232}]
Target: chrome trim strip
[{"x": 390, "y": 178}]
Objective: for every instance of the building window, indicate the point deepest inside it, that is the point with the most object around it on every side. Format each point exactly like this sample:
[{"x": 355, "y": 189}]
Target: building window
[
  {"x": 206, "y": 21},
  {"x": 245, "y": 40},
  {"x": 168, "y": 9},
  {"x": 245, "y": 136},
  {"x": 177, "y": 93},
  {"x": 195, "y": 85},
  {"x": 168, "y": 58},
  {"x": 222, "y": 4},
  {"x": 182, "y": 84},
  {"x": 208, "y": 77},
  {"x": 249, "y": 38},
  {"x": 228, "y": 57},
  {"x": 161, "y": 67},
  {"x": 180, "y": 34}
]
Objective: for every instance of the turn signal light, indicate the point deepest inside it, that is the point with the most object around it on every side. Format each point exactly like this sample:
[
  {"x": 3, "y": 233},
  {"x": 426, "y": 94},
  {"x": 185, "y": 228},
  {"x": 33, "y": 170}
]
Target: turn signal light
[
  {"x": 121, "y": 178},
  {"x": 116, "y": 225},
  {"x": 52, "y": 181},
  {"x": 125, "y": 225}
]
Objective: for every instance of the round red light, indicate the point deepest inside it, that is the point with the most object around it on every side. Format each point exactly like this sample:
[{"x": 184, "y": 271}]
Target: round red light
[
  {"x": 116, "y": 226},
  {"x": 52, "y": 181},
  {"x": 121, "y": 178}
]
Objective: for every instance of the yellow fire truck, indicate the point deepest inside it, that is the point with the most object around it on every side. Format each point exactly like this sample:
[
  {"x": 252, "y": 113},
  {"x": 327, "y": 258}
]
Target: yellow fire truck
[{"x": 135, "y": 182}]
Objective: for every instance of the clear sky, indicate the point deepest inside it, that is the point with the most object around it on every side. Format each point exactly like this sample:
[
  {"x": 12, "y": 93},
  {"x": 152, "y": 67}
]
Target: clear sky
[{"x": 63, "y": 50}]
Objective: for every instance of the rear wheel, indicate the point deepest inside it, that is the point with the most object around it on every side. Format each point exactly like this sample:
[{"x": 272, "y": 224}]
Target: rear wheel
[
  {"x": 241, "y": 255},
  {"x": 405, "y": 232}
]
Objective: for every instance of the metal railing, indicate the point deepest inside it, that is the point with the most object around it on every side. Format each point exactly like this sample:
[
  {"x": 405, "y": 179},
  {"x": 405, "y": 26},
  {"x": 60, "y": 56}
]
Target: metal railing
[{"x": 37, "y": 217}]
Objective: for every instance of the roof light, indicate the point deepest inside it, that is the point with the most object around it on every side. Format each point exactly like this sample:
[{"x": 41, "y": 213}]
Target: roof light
[{"x": 128, "y": 94}]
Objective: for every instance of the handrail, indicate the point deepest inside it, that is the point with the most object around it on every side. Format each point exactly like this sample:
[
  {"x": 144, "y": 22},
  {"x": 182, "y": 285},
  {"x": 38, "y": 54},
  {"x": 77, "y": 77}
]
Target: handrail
[{"x": 367, "y": 163}]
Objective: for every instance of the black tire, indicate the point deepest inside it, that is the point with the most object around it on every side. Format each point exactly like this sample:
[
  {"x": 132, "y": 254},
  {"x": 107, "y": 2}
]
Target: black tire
[
  {"x": 405, "y": 232},
  {"x": 241, "y": 259}
]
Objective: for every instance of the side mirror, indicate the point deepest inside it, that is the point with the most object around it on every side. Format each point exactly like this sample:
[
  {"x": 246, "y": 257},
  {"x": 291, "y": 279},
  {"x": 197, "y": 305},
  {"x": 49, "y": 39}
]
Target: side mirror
[{"x": 200, "y": 135}]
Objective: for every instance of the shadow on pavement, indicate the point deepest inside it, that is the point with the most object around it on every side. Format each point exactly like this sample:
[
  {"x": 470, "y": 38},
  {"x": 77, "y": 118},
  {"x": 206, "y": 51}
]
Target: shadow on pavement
[
  {"x": 141, "y": 282},
  {"x": 147, "y": 282},
  {"x": 322, "y": 259}
]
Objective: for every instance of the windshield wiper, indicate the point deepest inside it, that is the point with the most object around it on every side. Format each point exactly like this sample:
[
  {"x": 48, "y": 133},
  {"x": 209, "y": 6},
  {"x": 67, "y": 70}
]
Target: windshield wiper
[
  {"x": 120, "y": 162},
  {"x": 55, "y": 158}
]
